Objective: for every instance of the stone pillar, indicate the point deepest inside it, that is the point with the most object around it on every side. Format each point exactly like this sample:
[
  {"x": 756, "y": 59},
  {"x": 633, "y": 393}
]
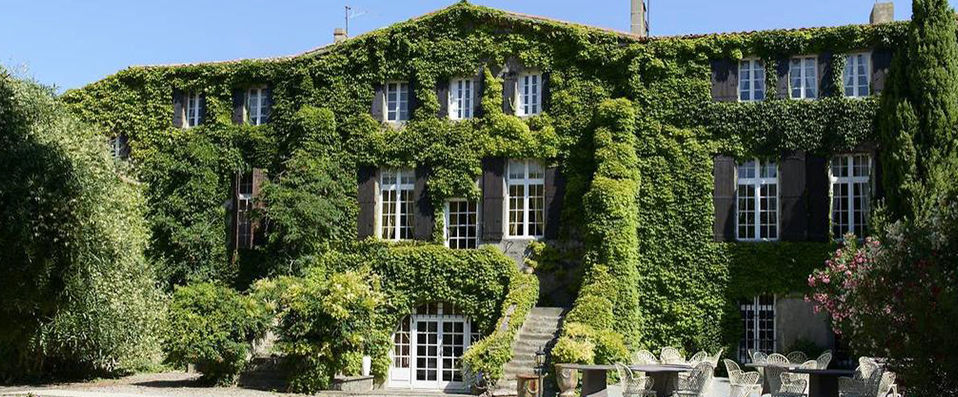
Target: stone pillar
[
  {"x": 882, "y": 13},
  {"x": 639, "y": 23},
  {"x": 339, "y": 34}
]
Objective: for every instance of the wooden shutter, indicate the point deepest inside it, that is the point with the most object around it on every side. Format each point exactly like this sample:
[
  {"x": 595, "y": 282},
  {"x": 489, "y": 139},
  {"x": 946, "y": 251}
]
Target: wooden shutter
[
  {"x": 817, "y": 185},
  {"x": 178, "y": 108},
  {"x": 878, "y": 183},
  {"x": 825, "y": 81},
  {"x": 480, "y": 83},
  {"x": 723, "y": 197},
  {"x": 377, "y": 107},
  {"x": 269, "y": 105},
  {"x": 781, "y": 79},
  {"x": 546, "y": 90},
  {"x": 493, "y": 197},
  {"x": 202, "y": 109},
  {"x": 413, "y": 103},
  {"x": 367, "y": 195},
  {"x": 442, "y": 93},
  {"x": 881, "y": 64},
  {"x": 239, "y": 107},
  {"x": 554, "y": 192},
  {"x": 233, "y": 211},
  {"x": 793, "y": 218},
  {"x": 257, "y": 234},
  {"x": 724, "y": 80},
  {"x": 423, "y": 221}
]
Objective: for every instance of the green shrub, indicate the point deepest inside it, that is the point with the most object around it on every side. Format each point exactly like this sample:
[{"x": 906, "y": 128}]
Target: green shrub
[
  {"x": 213, "y": 327},
  {"x": 327, "y": 324},
  {"x": 78, "y": 296},
  {"x": 487, "y": 357}
]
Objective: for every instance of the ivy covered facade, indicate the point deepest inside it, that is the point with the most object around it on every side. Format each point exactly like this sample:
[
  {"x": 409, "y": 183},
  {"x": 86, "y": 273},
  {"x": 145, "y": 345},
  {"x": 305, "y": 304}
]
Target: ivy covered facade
[{"x": 672, "y": 191}]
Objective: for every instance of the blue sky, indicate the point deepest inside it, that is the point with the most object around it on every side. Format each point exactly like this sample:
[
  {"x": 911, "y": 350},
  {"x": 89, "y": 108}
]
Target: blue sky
[{"x": 70, "y": 43}]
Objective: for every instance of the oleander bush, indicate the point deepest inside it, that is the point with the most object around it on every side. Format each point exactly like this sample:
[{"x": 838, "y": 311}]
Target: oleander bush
[
  {"x": 78, "y": 295},
  {"x": 213, "y": 327}
]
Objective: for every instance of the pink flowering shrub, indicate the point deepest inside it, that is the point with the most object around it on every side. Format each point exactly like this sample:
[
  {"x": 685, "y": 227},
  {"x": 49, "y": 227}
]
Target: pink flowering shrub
[{"x": 834, "y": 287}]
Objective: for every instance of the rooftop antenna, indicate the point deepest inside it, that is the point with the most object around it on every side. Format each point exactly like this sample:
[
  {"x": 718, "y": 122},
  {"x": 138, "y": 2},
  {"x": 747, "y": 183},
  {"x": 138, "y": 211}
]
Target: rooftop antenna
[{"x": 350, "y": 15}]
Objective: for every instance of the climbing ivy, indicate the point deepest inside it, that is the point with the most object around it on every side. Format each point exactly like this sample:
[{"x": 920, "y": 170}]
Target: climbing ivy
[{"x": 684, "y": 279}]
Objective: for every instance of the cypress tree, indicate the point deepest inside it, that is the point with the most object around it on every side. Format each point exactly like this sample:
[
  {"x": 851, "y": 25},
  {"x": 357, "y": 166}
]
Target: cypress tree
[{"x": 920, "y": 110}]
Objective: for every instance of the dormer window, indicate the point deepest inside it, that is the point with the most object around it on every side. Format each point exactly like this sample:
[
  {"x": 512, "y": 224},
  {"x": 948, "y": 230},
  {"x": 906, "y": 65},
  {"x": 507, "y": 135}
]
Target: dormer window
[
  {"x": 529, "y": 94},
  {"x": 397, "y": 102},
  {"x": 194, "y": 109},
  {"x": 460, "y": 98},
  {"x": 257, "y": 106},
  {"x": 803, "y": 76},
  {"x": 751, "y": 80}
]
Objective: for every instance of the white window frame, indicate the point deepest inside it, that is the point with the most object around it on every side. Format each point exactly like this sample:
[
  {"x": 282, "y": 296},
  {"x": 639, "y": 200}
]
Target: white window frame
[
  {"x": 405, "y": 377},
  {"x": 856, "y": 90},
  {"x": 193, "y": 110},
  {"x": 529, "y": 99},
  {"x": 461, "y": 97},
  {"x": 756, "y": 77},
  {"x": 448, "y": 224},
  {"x": 257, "y": 106},
  {"x": 398, "y": 186},
  {"x": 527, "y": 184},
  {"x": 755, "y": 184},
  {"x": 803, "y": 76},
  {"x": 850, "y": 181},
  {"x": 401, "y": 111},
  {"x": 758, "y": 328}
]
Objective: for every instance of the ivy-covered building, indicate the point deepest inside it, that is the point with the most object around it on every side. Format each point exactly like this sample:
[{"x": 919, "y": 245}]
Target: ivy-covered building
[{"x": 689, "y": 211}]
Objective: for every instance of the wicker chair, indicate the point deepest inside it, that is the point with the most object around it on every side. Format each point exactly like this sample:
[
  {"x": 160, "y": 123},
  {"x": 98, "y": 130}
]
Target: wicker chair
[
  {"x": 744, "y": 384},
  {"x": 644, "y": 357},
  {"x": 773, "y": 372},
  {"x": 698, "y": 357},
  {"x": 887, "y": 386},
  {"x": 793, "y": 385},
  {"x": 759, "y": 358},
  {"x": 671, "y": 355},
  {"x": 733, "y": 370},
  {"x": 866, "y": 383},
  {"x": 697, "y": 383},
  {"x": 633, "y": 385},
  {"x": 797, "y": 357},
  {"x": 824, "y": 359},
  {"x": 715, "y": 358}
]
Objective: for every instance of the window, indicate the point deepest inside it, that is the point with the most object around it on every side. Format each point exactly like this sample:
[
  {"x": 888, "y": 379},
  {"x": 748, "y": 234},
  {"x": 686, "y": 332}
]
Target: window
[
  {"x": 244, "y": 208},
  {"x": 525, "y": 198},
  {"x": 758, "y": 331},
  {"x": 529, "y": 94},
  {"x": 757, "y": 198},
  {"x": 460, "y": 99},
  {"x": 119, "y": 147},
  {"x": 194, "y": 111},
  {"x": 397, "y": 102},
  {"x": 396, "y": 200},
  {"x": 462, "y": 224},
  {"x": 428, "y": 347},
  {"x": 857, "y": 70},
  {"x": 850, "y": 175},
  {"x": 751, "y": 80},
  {"x": 257, "y": 106},
  {"x": 803, "y": 74}
]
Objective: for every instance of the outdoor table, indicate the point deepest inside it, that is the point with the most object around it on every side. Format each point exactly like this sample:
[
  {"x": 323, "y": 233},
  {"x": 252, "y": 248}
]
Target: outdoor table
[
  {"x": 666, "y": 378},
  {"x": 823, "y": 382},
  {"x": 766, "y": 387}
]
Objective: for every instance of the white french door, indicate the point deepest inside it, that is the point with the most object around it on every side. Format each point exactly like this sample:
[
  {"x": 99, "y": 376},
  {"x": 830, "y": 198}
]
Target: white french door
[{"x": 427, "y": 348}]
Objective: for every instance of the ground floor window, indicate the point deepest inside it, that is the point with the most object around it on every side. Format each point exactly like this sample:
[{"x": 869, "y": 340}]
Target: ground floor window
[
  {"x": 428, "y": 346},
  {"x": 758, "y": 321}
]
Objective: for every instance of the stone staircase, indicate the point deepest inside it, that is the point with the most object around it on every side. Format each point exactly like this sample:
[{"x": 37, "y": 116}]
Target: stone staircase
[
  {"x": 264, "y": 373},
  {"x": 539, "y": 331}
]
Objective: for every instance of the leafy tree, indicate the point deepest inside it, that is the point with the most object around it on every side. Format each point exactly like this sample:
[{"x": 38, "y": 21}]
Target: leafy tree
[
  {"x": 307, "y": 206},
  {"x": 78, "y": 294}
]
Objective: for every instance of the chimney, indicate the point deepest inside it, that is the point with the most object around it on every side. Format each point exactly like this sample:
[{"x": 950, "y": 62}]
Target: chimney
[
  {"x": 640, "y": 25},
  {"x": 882, "y": 13},
  {"x": 339, "y": 34}
]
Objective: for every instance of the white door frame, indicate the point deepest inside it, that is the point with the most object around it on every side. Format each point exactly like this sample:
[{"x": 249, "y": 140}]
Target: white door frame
[{"x": 405, "y": 378}]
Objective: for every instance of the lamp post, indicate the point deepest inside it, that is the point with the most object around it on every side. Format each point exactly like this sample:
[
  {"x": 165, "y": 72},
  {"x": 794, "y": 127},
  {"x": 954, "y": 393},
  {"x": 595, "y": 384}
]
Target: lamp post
[{"x": 540, "y": 370}]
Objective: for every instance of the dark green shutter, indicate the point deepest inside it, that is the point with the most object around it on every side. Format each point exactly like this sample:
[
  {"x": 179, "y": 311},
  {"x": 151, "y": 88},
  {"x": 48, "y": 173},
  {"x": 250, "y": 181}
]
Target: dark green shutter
[
  {"x": 442, "y": 93},
  {"x": 546, "y": 91},
  {"x": 367, "y": 178},
  {"x": 239, "y": 107},
  {"x": 554, "y": 192},
  {"x": 781, "y": 69},
  {"x": 424, "y": 217},
  {"x": 817, "y": 185},
  {"x": 881, "y": 63},
  {"x": 724, "y": 80},
  {"x": 793, "y": 218},
  {"x": 178, "y": 108},
  {"x": 826, "y": 86},
  {"x": 377, "y": 106}
]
